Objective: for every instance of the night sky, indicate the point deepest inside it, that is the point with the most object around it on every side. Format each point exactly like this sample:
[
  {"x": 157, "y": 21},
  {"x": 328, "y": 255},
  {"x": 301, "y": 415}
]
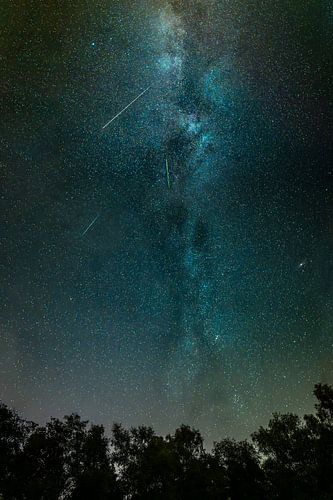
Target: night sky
[{"x": 176, "y": 265}]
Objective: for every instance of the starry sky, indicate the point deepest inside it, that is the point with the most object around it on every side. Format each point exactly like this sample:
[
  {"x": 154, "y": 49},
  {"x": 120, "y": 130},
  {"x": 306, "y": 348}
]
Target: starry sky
[{"x": 176, "y": 265}]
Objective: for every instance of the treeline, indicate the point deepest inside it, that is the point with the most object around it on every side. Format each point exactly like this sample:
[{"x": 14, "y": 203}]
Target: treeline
[{"x": 70, "y": 459}]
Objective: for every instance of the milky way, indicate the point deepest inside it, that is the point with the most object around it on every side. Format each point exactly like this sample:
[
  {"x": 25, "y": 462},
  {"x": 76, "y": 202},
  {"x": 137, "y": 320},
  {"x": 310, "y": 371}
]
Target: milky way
[{"x": 175, "y": 265}]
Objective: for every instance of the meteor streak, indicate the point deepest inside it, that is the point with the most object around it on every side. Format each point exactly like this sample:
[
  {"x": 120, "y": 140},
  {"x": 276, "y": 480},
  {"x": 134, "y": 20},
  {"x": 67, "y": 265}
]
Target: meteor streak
[
  {"x": 91, "y": 224},
  {"x": 167, "y": 171},
  {"x": 124, "y": 109}
]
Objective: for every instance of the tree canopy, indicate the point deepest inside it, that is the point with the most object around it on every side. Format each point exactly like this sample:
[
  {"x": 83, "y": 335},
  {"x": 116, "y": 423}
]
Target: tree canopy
[{"x": 292, "y": 458}]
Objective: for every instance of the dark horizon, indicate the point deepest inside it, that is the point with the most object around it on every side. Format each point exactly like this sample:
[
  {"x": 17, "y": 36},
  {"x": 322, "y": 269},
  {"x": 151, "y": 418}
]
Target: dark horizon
[{"x": 289, "y": 459}]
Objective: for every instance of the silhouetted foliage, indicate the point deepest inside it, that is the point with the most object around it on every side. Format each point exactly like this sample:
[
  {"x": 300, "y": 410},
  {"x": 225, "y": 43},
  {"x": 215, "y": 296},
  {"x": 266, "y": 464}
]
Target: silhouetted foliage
[
  {"x": 14, "y": 433},
  {"x": 240, "y": 460},
  {"x": 297, "y": 454},
  {"x": 70, "y": 459}
]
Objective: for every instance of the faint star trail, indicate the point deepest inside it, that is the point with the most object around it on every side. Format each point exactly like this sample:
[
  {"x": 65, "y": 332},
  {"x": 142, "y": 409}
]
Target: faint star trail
[
  {"x": 90, "y": 225},
  {"x": 126, "y": 107}
]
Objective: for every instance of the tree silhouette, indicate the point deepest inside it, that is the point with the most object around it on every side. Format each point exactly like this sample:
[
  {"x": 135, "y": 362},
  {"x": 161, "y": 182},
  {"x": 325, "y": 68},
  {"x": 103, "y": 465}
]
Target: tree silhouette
[
  {"x": 70, "y": 459},
  {"x": 297, "y": 454},
  {"x": 240, "y": 460},
  {"x": 14, "y": 432},
  {"x": 96, "y": 478}
]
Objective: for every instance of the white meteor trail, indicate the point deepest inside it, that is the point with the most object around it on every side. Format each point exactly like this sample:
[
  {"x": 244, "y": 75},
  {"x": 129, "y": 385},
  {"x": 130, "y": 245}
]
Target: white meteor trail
[
  {"x": 124, "y": 109},
  {"x": 91, "y": 224},
  {"x": 167, "y": 172}
]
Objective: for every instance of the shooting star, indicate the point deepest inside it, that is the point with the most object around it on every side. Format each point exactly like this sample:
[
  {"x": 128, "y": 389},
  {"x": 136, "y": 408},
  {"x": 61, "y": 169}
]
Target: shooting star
[
  {"x": 124, "y": 109},
  {"x": 167, "y": 172},
  {"x": 90, "y": 225}
]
